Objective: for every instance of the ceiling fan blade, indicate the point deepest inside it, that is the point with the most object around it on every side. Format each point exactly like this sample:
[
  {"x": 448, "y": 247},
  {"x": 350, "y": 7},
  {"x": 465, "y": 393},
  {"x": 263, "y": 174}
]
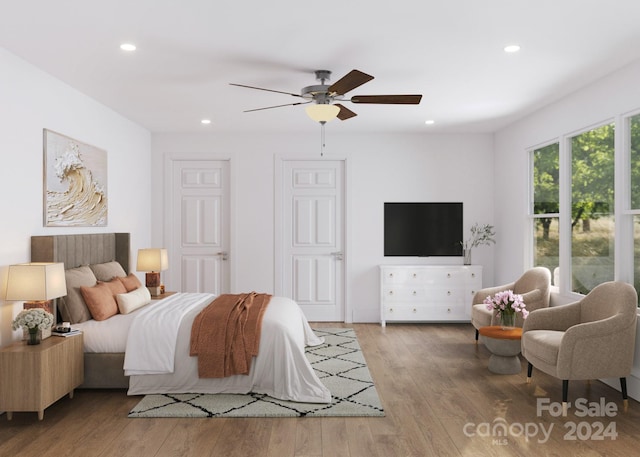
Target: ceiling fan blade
[
  {"x": 268, "y": 90},
  {"x": 388, "y": 99},
  {"x": 344, "y": 113},
  {"x": 350, "y": 81},
  {"x": 277, "y": 106}
]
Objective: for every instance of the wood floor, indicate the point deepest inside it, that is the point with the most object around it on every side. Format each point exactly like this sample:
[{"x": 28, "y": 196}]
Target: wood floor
[{"x": 438, "y": 396}]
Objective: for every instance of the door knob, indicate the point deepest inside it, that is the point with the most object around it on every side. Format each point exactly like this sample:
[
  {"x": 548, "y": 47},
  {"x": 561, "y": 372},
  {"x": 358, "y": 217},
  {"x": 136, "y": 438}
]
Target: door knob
[
  {"x": 224, "y": 255},
  {"x": 338, "y": 255}
]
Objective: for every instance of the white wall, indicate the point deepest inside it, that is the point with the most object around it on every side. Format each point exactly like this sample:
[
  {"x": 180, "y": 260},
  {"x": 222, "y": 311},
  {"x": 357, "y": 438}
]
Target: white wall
[
  {"x": 30, "y": 101},
  {"x": 380, "y": 168}
]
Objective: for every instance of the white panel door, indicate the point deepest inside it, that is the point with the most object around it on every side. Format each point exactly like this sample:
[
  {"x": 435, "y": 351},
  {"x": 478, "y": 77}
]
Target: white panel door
[
  {"x": 200, "y": 233},
  {"x": 313, "y": 237}
]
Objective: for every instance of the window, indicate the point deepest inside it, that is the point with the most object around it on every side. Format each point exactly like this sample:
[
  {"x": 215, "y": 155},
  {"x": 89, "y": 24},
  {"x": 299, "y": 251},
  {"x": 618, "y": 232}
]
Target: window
[
  {"x": 634, "y": 168},
  {"x": 546, "y": 198},
  {"x": 592, "y": 208},
  {"x": 572, "y": 210}
]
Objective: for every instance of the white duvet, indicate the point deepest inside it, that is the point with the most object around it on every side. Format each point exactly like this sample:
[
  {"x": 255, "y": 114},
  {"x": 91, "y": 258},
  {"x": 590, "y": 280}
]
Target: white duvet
[
  {"x": 151, "y": 341},
  {"x": 280, "y": 370}
]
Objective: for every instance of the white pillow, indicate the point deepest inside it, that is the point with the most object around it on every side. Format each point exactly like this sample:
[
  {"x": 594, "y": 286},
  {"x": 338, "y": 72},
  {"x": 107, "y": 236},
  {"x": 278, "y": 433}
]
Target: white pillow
[{"x": 133, "y": 300}]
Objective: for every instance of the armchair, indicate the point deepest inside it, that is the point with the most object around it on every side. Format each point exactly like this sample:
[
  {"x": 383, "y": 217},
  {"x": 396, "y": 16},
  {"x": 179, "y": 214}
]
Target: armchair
[
  {"x": 590, "y": 339},
  {"x": 534, "y": 286}
]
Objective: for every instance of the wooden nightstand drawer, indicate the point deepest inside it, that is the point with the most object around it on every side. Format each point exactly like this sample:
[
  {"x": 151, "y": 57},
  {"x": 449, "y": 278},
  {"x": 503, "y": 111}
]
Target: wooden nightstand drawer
[{"x": 34, "y": 377}]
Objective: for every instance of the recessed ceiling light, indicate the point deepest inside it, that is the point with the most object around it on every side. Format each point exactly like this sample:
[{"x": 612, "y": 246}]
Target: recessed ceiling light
[
  {"x": 206, "y": 121},
  {"x": 128, "y": 47},
  {"x": 512, "y": 48},
  {"x": 430, "y": 122}
]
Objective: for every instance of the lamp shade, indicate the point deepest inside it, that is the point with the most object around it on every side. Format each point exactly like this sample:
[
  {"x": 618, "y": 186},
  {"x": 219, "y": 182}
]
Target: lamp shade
[
  {"x": 322, "y": 112},
  {"x": 152, "y": 259},
  {"x": 36, "y": 281}
]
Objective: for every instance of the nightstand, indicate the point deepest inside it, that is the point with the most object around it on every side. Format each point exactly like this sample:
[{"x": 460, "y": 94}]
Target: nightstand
[
  {"x": 161, "y": 296},
  {"x": 34, "y": 377}
]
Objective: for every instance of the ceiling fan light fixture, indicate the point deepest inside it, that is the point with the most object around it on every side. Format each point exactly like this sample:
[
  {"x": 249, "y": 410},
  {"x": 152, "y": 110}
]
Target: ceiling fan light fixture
[{"x": 322, "y": 112}]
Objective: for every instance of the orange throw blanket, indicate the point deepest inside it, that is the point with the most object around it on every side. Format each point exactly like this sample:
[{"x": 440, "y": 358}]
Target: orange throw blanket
[{"x": 226, "y": 334}]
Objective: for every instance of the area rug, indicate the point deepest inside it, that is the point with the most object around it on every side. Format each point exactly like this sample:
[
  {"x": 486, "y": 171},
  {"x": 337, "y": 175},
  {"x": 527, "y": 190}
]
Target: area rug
[{"x": 339, "y": 363}]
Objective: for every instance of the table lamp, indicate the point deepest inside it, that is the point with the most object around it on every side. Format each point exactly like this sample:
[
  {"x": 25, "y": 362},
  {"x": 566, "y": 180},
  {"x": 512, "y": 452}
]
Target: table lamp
[
  {"x": 37, "y": 283},
  {"x": 152, "y": 261}
]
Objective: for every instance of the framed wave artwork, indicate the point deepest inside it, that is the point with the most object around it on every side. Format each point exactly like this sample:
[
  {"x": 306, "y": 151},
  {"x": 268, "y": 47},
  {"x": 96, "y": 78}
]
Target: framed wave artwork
[{"x": 75, "y": 182}]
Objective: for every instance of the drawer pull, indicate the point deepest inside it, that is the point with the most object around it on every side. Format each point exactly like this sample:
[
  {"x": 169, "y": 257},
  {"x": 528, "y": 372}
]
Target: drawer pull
[
  {"x": 414, "y": 292},
  {"x": 448, "y": 310},
  {"x": 390, "y": 310},
  {"x": 473, "y": 275},
  {"x": 414, "y": 310},
  {"x": 448, "y": 275},
  {"x": 448, "y": 292},
  {"x": 391, "y": 275},
  {"x": 391, "y": 292},
  {"x": 415, "y": 275}
]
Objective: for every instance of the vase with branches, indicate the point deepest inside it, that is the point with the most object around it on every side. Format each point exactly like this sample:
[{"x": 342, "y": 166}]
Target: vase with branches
[{"x": 480, "y": 235}]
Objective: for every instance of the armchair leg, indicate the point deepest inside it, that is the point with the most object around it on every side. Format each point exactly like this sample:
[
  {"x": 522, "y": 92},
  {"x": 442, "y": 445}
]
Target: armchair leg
[
  {"x": 565, "y": 394},
  {"x": 625, "y": 398},
  {"x": 529, "y": 370},
  {"x": 477, "y": 334}
]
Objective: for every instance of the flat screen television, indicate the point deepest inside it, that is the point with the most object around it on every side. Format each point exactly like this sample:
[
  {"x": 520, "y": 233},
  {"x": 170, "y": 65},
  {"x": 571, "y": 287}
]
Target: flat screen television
[{"x": 423, "y": 229}]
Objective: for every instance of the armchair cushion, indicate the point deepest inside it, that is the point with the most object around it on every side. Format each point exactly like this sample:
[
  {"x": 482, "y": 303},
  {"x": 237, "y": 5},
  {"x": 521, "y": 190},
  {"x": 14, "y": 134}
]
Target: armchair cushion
[{"x": 545, "y": 344}]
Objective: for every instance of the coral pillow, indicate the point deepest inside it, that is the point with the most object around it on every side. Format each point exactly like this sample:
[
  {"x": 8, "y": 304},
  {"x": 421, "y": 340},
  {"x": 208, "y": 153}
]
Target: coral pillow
[
  {"x": 130, "y": 282},
  {"x": 117, "y": 287},
  {"x": 100, "y": 300}
]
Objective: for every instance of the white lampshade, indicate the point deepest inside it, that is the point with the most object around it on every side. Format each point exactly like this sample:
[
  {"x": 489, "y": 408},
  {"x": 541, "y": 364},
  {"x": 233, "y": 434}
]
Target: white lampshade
[
  {"x": 322, "y": 112},
  {"x": 36, "y": 281},
  {"x": 152, "y": 259}
]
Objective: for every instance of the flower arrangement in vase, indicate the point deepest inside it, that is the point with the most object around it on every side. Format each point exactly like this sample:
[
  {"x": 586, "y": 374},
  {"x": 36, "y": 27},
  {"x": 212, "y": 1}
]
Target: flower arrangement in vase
[
  {"x": 507, "y": 304},
  {"x": 33, "y": 320},
  {"x": 480, "y": 235}
]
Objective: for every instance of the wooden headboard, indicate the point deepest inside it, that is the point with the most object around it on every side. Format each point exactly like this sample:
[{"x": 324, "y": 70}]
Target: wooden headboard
[{"x": 82, "y": 249}]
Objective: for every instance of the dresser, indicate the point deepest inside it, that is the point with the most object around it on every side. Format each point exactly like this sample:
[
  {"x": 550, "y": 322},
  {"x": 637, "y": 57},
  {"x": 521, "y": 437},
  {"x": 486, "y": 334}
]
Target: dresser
[{"x": 428, "y": 293}]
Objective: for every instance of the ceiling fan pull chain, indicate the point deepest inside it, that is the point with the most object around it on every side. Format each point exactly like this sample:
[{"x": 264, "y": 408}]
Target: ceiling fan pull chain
[{"x": 322, "y": 141}]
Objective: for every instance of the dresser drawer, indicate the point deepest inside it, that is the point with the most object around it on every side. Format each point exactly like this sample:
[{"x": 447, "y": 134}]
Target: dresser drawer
[
  {"x": 407, "y": 312},
  {"x": 398, "y": 293}
]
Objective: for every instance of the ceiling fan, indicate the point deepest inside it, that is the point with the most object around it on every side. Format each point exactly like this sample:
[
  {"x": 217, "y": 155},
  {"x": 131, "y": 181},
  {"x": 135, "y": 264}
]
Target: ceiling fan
[{"x": 325, "y": 96}]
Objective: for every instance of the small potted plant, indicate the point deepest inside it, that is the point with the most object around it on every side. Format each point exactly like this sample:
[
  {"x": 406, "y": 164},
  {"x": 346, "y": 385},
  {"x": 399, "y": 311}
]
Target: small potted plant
[
  {"x": 480, "y": 235},
  {"x": 33, "y": 320}
]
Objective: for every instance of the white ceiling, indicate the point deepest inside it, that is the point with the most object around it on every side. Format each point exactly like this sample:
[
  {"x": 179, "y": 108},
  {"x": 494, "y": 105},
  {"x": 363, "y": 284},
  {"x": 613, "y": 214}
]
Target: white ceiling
[{"x": 450, "y": 51}]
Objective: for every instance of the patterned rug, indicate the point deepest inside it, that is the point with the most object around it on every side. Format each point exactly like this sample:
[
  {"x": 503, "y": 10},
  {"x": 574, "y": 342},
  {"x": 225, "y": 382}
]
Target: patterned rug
[{"x": 339, "y": 363}]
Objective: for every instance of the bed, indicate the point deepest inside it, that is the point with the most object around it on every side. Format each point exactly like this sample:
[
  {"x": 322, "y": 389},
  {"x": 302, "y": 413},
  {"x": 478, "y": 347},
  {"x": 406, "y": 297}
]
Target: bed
[{"x": 280, "y": 370}]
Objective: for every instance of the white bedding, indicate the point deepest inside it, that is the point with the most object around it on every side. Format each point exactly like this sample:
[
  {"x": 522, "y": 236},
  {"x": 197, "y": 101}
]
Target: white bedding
[
  {"x": 151, "y": 341},
  {"x": 280, "y": 370}
]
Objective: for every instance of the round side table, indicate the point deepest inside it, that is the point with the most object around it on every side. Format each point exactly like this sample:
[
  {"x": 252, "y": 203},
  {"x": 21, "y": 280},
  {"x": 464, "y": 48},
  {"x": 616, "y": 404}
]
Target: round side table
[{"x": 504, "y": 346}]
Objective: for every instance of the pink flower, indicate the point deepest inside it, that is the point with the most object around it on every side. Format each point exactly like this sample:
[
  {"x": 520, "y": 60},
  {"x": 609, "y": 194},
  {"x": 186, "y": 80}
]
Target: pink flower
[{"x": 506, "y": 301}]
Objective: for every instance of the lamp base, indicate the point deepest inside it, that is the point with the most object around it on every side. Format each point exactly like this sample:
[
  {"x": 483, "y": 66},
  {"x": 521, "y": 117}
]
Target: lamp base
[
  {"x": 47, "y": 305},
  {"x": 154, "y": 291},
  {"x": 152, "y": 279}
]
